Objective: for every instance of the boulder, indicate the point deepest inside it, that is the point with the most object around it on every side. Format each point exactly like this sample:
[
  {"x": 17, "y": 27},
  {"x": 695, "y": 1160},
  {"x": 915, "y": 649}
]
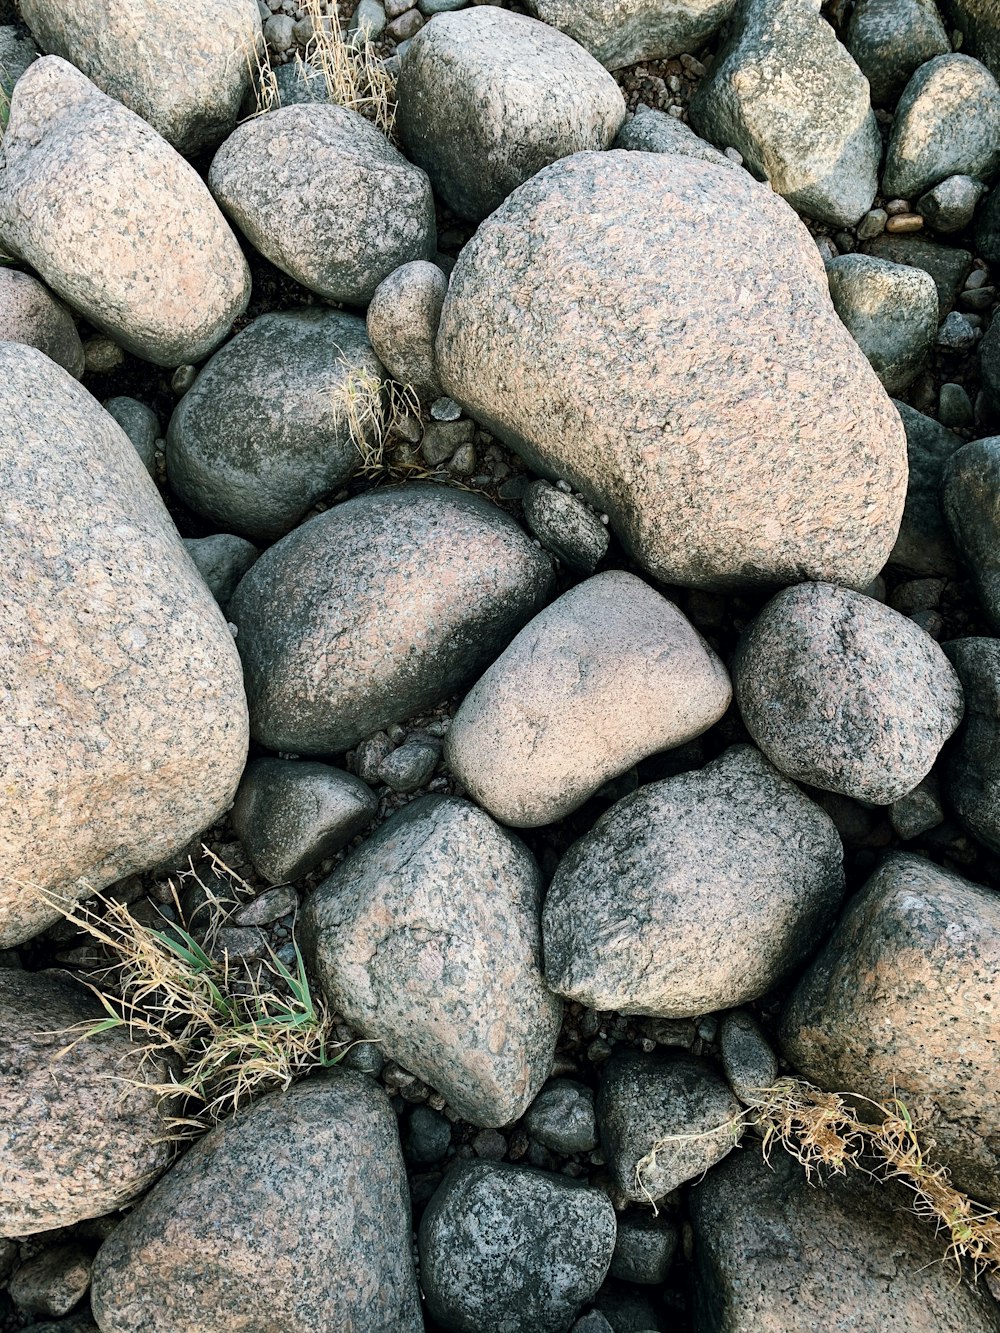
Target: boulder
[
  {"x": 757, "y": 444},
  {"x": 30, "y": 314},
  {"x": 972, "y": 769},
  {"x": 947, "y": 264},
  {"x": 972, "y": 507},
  {"x": 623, "y": 32},
  {"x": 950, "y": 205},
  {"x": 979, "y": 24},
  {"x": 890, "y": 39},
  {"x": 221, "y": 559},
  {"x": 890, "y": 310},
  {"x": 924, "y": 547},
  {"x": 651, "y": 131},
  {"x": 141, "y": 425},
  {"x": 403, "y": 322}
]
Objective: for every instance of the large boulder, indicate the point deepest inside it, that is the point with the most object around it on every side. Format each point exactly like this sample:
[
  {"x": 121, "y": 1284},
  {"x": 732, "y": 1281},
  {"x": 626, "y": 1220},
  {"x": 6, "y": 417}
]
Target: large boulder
[
  {"x": 294, "y": 1215},
  {"x": 972, "y": 766},
  {"x": 972, "y": 507},
  {"x": 623, "y": 32},
  {"x": 185, "y": 71},
  {"x": 732, "y": 440},
  {"x": 123, "y": 723},
  {"x": 115, "y": 221},
  {"x": 29, "y": 313}
]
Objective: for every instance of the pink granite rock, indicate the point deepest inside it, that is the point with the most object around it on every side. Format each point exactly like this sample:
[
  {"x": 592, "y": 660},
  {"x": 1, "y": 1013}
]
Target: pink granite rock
[{"x": 31, "y": 314}]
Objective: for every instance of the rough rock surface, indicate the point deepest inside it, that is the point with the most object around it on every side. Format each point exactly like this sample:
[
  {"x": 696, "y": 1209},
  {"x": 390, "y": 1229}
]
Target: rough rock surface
[
  {"x": 979, "y": 23},
  {"x": 645, "y": 1247},
  {"x": 308, "y": 1190},
  {"x": 947, "y": 264},
  {"x": 844, "y": 693},
  {"x": 972, "y": 769},
  {"x": 115, "y": 221},
  {"x": 891, "y": 311},
  {"x": 265, "y": 431},
  {"x": 565, "y": 525},
  {"x": 693, "y": 894},
  {"x": 488, "y": 98},
  {"x": 747, "y": 1060},
  {"x": 506, "y": 1247},
  {"x": 895, "y": 1004},
  {"x": 972, "y": 507},
  {"x": 562, "y": 1117},
  {"x": 428, "y": 586},
  {"x": 785, "y": 93},
  {"x": 759, "y": 444},
  {"x": 623, "y": 32},
  {"x": 16, "y": 54},
  {"x": 31, "y": 314},
  {"x": 323, "y": 195},
  {"x": 655, "y": 132},
  {"x": 123, "y": 726},
  {"x": 924, "y": 547},
  {"x": 222, "y": 559},
  {"x": 604, "y": 677},
  {"x": 140, "y": 424},
  {"x": 75, "y": 1141},
  {"x": 403, "y": 322},
  {"x": 185, "y": 71},
  {"x": 427, "y": 939},
  {"x": 889, "y": 39}
]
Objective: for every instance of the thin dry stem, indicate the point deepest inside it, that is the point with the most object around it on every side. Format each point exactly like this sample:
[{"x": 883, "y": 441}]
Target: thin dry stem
[{"x": 372, "y": 410}]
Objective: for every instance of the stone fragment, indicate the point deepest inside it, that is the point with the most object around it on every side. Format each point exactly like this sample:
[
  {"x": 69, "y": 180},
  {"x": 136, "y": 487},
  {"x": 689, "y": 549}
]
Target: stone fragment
[
  {"x": 924, "y": 546},
  {"x": 140, "y": 424},
  {"x": 623, "y": 32},
  {"x": 221, "y": 560},
  {"x": 562, "y": 1117},
  {"x": 748, "y": 1062},
  {"x": 651, "y": 131},
  {"x": 890, "y": 39},
  {"x": 53, "y": 1281},
  {"x": 565, "y": 526}
]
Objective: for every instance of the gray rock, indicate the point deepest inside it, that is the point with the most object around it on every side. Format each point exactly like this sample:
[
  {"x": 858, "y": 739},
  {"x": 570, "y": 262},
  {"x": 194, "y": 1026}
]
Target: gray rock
[
  {"x": 267, "y": 907},
  {"x": 403, "y": 322},
  {"x": 30, "y": 314},
  {"x": 957, "y": 334},
  {"x": 989, "y": 363},
  {"x": 631, "y": 1309},
  {"x": 279, "y": 32},
  {"x": 954, "y": 406},
  {"x": 221, "y": 560},
  {"x": 950, "y": 204},
  {"x": 694, "y": 894},
  {"x": 562, "y": 1117},
  {"x": 487, "y": 98},
  {"x": 890, "y": 38},
  {"x": 891, "y": 311},
  {"x": 972, "y": 507},
  {"x": 947, "y": 124},
  {"x": 664, "y": 1118},
  {"x": 786, "y": 94},
  {"x": 988, "y": 228},
  {"x": 565, "y": 526},
  {"x": 918, "y": 811},
  {"x": 928, "y": 1037},
  {"x": 644, "y": 1249},
  {"x": 506, "y": 1247},
  {"x": 651, "y": 131},
  {"x": 924, "y": 546},
  {"x": 141, "y": 425},
  {"x": 594, "y": 1322},
  {"x": 160, "y": 271},
  {"x": 605, "y": 676},
  {"x": 428, "y": 586},
  {"x": 266, "y": 431},
  {"x": 979, "y": 25},
  {"x": 429, "y": 1136},
  {"x": 747, "y": 1060},
  {"x": 442, "y": 439},
  {"x": 410, "y": 766},
  {"x": 747, "y": 408},
  {"x": 947, "y": 265},
  {"x": 324, "y": 195},
  {"x": 623, "y": 32},
  {"x": 309, "y": 1190},
  {"x": 427, "y": 939},
  {"x": 52, "y": 1281},
  {"x": 370, "y": 16},
  {"x": 972, "y": 770},
  {"x": 297, "y": 82},
  {"x": 845, "y": 694},
  {"x": 292, "y": 815}
]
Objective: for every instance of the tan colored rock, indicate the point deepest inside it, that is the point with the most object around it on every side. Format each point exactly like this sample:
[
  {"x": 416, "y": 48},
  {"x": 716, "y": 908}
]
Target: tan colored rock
[
  {"x": 123, "y": 722},
  {"x": 31, "y": 314},
  {"x": 115, "y": 221},
  {"x": 606, "y": 675}
]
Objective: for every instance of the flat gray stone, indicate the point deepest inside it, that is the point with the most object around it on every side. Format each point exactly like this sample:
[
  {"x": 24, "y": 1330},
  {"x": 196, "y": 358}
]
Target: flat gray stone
[
  {"x": 891, "y": 311},
  {"x": 221, "y": 560},
  {"x": 623, "y": 32},
  {"x": 141, "y": 425},
  {"x": 410, "y": 766},
  {"x": 650, "y": 131},
  {"x": 565, "y": 526},
  {"x": 924, "y": 547},
  {"x": 972, "y": 770},
  {"x": 562, "y": 1117},
  {"x": 30, "y": 314},
  {"x": 972, "y": 507},
  {"x": 890, "y": 39},
  {"x": 403, "y": 322}
]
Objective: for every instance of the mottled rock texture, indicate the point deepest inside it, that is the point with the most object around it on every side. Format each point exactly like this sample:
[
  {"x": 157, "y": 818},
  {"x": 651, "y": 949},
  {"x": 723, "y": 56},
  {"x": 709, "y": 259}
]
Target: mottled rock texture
[
  {"x": 924, "y": 547},
  {"x": 140, "y": 424},
  {"x": 123, "y": 725},
  {"x": 294, "y": 1215},
  {"x": 972, "y": 767},
  {"x": 897, "y": 1004},
  {"x": 115, "y": 221},
  {"x": 566, "y": 526},
  {"x": 31, "y": 314},
  {"x": 891, "y": 311},
  {"x": 427, "y": 940},
  {"x": 623, "y": 32},
  {"x": 972, "y": 507},
  {"x": 403, "y": 322},
  {"x": 383, "y": 605},
  {"x": 488, "y": 98},
  {"x": 757, "y": 444},
  {"x": 890, "y": 39},
  {"x": 655, "y": 132},
  {"x": 979, "y": 23},
  {"x": 221, "y": 559}
]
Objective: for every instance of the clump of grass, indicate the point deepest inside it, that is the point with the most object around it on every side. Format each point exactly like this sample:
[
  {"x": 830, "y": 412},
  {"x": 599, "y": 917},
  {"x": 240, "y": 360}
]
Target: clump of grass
[{"x": 372, "y": 410}]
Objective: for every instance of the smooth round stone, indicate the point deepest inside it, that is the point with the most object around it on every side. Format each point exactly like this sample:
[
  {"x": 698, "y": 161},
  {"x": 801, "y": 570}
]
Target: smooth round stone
[
  {"x": 891, "y": 310},
  {"x": 562, "y": 1117},
  {"x": 428, "y": 1138},
  {"x": 141, "y": 425},
  {"x": 623, "y": 32},
  {"x": 954, "y": 406},
  {"x": 972, "y": 507},
  {"x": 403, "y": 322},
  {"x": 410, "y": 766},
  {"x": 30, "y": 314},
  {"x": 221, "y": 560},
  {"x": 565, "y": 526},
  {"x": 950, "y": 204},
  {"x": 890, "y": 39},
  {"x": 52, "y": 1281}
]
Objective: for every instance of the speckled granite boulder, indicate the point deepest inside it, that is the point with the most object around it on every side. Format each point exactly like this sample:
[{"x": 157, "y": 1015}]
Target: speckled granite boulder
[
  {"x": 506, "y": 1247},
  {"x": 891, "y": 311},
  {"x": 403, "y": 322},
  {"x": 323, "y": 195},
  {"x": 890, "y": 38},
  {"x": 264, "y": 432},
  {"x": 80, "y": 1133},
  {"x": 928, "y": 1035},
  {"x": 655, "y": 132},
  {"x": 221, "y": 559},
  {"x": 427, "y": 586},
  {"x": 185, "y": 71},
  {"x": 948, "y": 265},
  {"x": 294, "y": 1215},
  {"x": 972, "y": 768},
  {"x": 488, "y": 98},
  {"x": 774, "y": 1253},
  {"x": 623, "y": 32},
  {"x": 757, "y": 444},
  {"x": 693, "y": 894},
  {"x": 140, "y": 424},
  {"x": 605, "y": 676},
  {"x": 924, "y": 547},
  {"x": 427, "y": 940},
  {"x": 786, "y": 94},
  {"x": 665, "y": 1118},
  {"x": 843, "y": 693},
  {"x": 972, "y": 508},
  {"x": 979, "y": 23},
  {"x": 16, "y": 53},
  {"x": 30, "y": 314},
  {"x": 158, "y": 270},
  {"x": 123, "y": 726}
]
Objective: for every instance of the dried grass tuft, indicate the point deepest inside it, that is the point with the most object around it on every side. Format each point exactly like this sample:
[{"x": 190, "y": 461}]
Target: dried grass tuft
[{"x": 372, "y": 410}]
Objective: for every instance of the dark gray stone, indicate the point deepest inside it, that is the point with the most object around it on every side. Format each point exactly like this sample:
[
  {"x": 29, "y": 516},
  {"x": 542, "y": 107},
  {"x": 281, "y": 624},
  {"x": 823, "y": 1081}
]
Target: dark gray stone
[
  {"x": 428, "y": 1138},
  {"x": 565, "y": 526},
  {"x": 269, "y": 906},
  {"x": 297, "y": 82},
  {"x": 562, "y": 1117},
  {"x": 954, "y": 406},
  {"x": 972, "y": 769},
  {"x": 403, "y": 322},
  {"x": 989, "y": 364},
  {"x": 222, "y": 560},
  {"x": 972, "y": 508},
  {"x": 918, "y": 811},
  {"x": 594, "y": 1322},
  {"x": 988, "y": 228},
  {"x": 747, "y": 1059},
  {"x": 979, "y": 24},
  {"x": 644, "y": 1249},
  {"x": 16, "y": 54},
  {"x": 507, "y": 1247},
  {"x": 427, "y": 586},
  {"x": 141, "y": 425},
  {"x": 52, "y": 1281},
  {"x": 947, "y": 265},
  {"x": 30, "y": 314},
  {"x": 891, "y": 311},
  {"x": 890, "y": 38},
  {"x": 410, "y": 766},
  {"x": 950, "y": 204},
  {"x": 957, "y": 334},
  {"x": 623, "y": 32},
  {"x": 924, "y": 546},
  {"x": 651, "y": 131}
]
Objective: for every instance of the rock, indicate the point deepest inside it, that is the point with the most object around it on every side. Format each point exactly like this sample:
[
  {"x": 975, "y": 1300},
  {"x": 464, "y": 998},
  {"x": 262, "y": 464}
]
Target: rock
[
  {"x": 291, "y": 815},
  {"x": 644, "y": 1249},
  {"x": 664, "y": 1118},
  {"x": 269, "y": 906},
  {"x": 989, "y": 363},
  {"x": 410, "y": 766},
  {"x": 323, "y": 195},
  {"x": 16, "y": 54},
  {"x": 221, "y": 560},
  {"x": 403, "y": 322},
  {"x": 488, "y": 98},
  {"x": 947, "y": 124},
  {"x": 507, "y": 1247},
  {"x": 927, "y": 1038},
  {"x": 594, "y": 1322},
  {"x": 788, "y": 97},
  {"x": 565, "y": 526},
  {"x": 954, "y": 406},
  {"x": 279, "y": 32},
  {"x": 140, "y": 424},
  {"x": 957, "y": 334},
  {"x": 972, "y": 771},
  {"x": 102, "y": 355},
  {"x": 924, "y": 546},
  {"x": 947, "y": 265},
  {"x": 309, "y": 1190},
  {"x": 694, "y": 894},
  {"x": 890, "y": 38},
  {"x": 950, "y": 204},
  {"x": 844, "y": 693},
  {"x": 31, "y": 314},
  {"x": 81, "y": 1130},
  {"x": 747, "y": 1060},
  {"x": 979, "y": 24},
  {"x": 918, "y": 811},
  {"x": 427, "y": 939},
  {"x": 429, "y": 1137},
  {"x": 266, "y": 431},
  {"x": 757, "y": 446},
  {"x": 605, "y": 676},
  {"x": 428, "y": 586},
  {"x": 123, "y": 726},
  {"x": 161, "y": 273},
  {"x": 371, "y": 17},
  {"x": 773, "y": 1253},
  {"x": 891, "y": 310},
  {"x": 988, "y": 228},
  {"x": 53, "y": 1281},
  {"x": 622, "y": 32},
  {"x": 562, "y": 1117},
  {"x": 972, "y": 507},
  {"x": 299, "y": 81},
  {"x": 651, "y": 131},
  {"x": 442, "y": 439}
]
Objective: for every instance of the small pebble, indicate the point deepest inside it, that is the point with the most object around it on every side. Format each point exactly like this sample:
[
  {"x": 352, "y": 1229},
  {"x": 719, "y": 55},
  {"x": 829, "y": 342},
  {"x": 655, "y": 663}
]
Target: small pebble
[
  {"x": 903, "y": 223},
  {"x": 102, "y": 355},
  {"x": 182, "y": 379},
  {"x": 445, "y": 409},
  {"x": 872, "y": 224},
  {"x": 957, "y": 333}
]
